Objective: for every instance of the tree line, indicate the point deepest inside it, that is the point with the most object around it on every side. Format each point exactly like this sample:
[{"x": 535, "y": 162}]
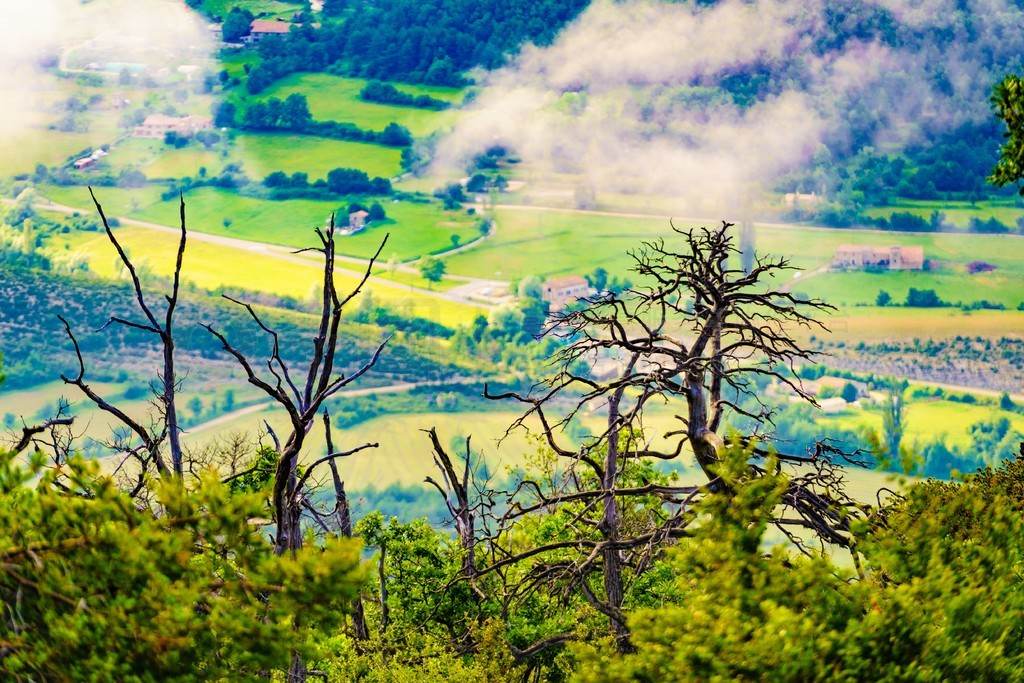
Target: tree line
[{"x": 293, "y": 115}]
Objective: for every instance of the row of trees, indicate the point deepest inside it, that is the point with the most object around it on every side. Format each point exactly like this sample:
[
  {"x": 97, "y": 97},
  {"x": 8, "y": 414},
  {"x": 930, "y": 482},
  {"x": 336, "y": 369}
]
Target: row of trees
[
  {"x": 292, "y": 114},
  {"x": 385, "y": 93}
]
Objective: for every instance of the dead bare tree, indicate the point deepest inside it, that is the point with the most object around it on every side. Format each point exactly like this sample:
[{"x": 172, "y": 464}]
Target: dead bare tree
[
  {"x": 302, "y": 402},
  {"x": 164, "y": 430},
  {"x": 456, "y": 494},
  {"x": 698, "y": 330},
  {"x": 53, "y": 435},
  {"x": 343, "y": 514}
]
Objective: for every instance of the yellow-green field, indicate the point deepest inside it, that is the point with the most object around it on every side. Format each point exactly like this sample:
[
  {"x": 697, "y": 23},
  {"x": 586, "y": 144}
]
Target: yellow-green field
[
  {"x": 404, "y": 455},
  {"x": 929, "y": 421},
  {"x": 212, "y": 266},
  {"x": 415, "y": 228},
  {"x": 90, "y": 421},
  {"x": 855, "y": 324}
]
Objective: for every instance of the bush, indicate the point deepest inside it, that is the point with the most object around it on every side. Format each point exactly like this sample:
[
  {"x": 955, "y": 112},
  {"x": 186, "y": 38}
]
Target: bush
[{"x": 979, "y": 267}]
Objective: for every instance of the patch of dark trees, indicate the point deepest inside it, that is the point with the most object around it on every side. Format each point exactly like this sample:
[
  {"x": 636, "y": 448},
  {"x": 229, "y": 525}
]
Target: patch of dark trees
[
  {"x": 292, "y": 115},
  {"x": 928, "y": 298},
  {"x": 339, "y": 182},
  {"x": 385, "y": 93}
]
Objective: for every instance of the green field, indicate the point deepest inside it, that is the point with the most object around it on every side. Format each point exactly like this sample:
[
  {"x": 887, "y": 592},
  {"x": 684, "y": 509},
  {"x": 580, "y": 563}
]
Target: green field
[
  {"x": 260, "y": 8},
  {"x": 336, "y": 98},
  {"x": 846, "y": 289},
  {"x": 415, "y": 229},
  {"x": 262, "y": 154},
  {"x": 258, "y": 155},
  {"x": 1006, "y": 211},
  {"x": 115, "y": 201},
  {"x": 546, "y": 243}
]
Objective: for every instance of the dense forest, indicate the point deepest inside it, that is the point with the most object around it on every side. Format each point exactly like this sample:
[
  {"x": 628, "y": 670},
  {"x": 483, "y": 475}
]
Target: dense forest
[{"x": 432, "y": 42}]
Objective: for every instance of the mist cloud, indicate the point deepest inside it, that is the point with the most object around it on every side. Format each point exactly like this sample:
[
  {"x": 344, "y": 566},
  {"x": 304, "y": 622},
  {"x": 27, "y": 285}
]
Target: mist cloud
[
  {"x": 34, "y": 32},
  {"x": 638, "y": 116}
]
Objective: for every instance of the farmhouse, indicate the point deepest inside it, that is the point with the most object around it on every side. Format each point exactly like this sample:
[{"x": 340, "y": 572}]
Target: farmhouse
[
  {"x": 158, "y": 125},
  {"x": 261, "y": 28},
  {"x": 832, "y": 406},
  {"x": 854, "y": 256},
  {"x": 357, "y": 220},
  {"x": 356, "y": 223},
  {"x": 562, "y": 291},
  {"x": 800, "y": 199}
]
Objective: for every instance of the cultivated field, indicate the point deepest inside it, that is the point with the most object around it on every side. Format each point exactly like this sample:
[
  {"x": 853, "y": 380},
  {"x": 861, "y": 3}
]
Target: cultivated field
[
  {"x": 1006, "y": 211},
  {"x": 929, "y": 420},
  {"x": 336, "y": 98},
  {"x": 212, "y": 266}
]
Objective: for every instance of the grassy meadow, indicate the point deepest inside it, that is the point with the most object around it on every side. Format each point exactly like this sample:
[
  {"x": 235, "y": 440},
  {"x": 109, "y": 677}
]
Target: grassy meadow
[
  {"x": 336, "y": 98},
  {"x": 267, "y": 9},
  {"x": 546, "y": 243},
  {"x": 1005, "y": 210}
]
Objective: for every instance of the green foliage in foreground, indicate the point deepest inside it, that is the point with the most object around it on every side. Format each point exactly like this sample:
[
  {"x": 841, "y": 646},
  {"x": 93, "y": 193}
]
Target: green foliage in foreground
[
  {"x": 937, "y": 598},
  {"x": 1008, "y": 101},
  {"x": 96, "y": 589},
  {"x": 187, "y": 590}
]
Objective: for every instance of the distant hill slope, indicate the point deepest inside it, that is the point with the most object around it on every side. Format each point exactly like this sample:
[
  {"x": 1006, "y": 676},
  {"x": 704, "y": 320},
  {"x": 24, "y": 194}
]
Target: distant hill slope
[
  {"x": 859, "y": 102},
  {"x": 36, "y": 350}
]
